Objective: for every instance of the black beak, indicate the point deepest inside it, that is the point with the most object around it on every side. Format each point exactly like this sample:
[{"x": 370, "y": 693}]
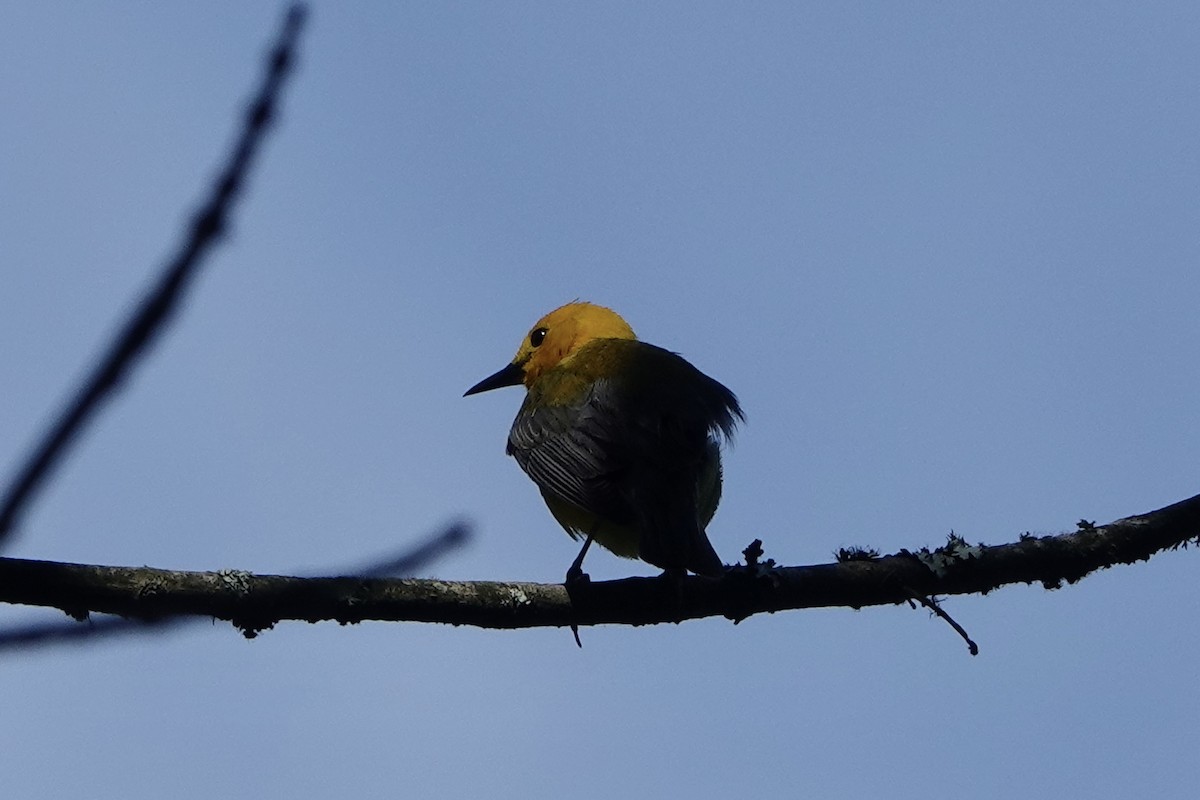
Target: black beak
[{"x": 509, "y": 376}]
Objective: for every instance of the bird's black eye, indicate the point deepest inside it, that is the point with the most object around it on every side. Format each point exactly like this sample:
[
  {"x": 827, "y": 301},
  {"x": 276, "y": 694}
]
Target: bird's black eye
[{"x": 537, "y": 337}]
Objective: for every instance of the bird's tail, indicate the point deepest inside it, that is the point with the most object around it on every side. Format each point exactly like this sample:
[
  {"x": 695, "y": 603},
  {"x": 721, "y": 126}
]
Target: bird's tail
[{"x": 674, "y": 539}]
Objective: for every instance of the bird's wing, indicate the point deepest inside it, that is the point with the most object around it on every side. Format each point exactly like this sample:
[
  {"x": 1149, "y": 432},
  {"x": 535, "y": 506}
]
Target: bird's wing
[{"x": 576, "y": 452}]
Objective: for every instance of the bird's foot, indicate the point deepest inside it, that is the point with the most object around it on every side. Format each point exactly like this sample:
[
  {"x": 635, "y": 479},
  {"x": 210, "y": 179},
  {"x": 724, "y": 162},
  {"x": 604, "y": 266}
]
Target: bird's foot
[
  {"x": 576, "y": 582},
  {"x": 576, "y": 577}
]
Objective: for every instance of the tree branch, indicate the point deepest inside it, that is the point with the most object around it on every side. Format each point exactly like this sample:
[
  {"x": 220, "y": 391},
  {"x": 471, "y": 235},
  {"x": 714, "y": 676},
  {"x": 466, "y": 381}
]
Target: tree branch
[
  {"x": 149, "y": 318},
  {"x": 410, "y": 561},
  {"x": 256, "y": 602}
]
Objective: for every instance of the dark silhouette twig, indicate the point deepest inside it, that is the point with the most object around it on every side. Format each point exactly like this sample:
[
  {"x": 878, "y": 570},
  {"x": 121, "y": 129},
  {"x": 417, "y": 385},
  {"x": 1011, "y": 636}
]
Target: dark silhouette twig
[
  {"x": 936, "y": 608},
  {"x": 416, "y": 559},
  {"x": 44, "y": 634},
  {"x": 411, "y": 561},
  {"x": 148, "y": 319}
]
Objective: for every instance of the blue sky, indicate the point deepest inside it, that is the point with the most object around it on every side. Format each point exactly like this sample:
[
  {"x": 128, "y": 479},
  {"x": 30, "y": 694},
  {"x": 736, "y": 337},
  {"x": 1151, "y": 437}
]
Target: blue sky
[{"x": 945, "y": 254}]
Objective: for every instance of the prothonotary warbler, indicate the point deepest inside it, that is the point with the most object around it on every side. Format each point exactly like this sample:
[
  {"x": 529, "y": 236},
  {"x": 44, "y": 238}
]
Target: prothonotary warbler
[{"x": 621, "y": 437}]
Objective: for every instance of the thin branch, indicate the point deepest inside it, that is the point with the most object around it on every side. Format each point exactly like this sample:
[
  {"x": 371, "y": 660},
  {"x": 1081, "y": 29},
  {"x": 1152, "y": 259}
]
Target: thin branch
[
  {"x": 417, "y": 559},
  {"x": 411, "y": 561},
  {"x": 936, "y": 608},
  {"x": 44, "y": 634},
  {"x": 149, "y": 318},
  {"x": 256, "y": 602}
]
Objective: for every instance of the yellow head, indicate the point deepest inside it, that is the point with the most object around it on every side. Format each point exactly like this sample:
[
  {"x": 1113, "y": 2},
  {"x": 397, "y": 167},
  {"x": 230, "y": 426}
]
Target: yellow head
[{"x": 555, "y": 338}]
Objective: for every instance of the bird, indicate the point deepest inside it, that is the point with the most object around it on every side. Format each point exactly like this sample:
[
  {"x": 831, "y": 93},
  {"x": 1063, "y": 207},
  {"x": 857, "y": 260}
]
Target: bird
[{"x": 622, "y": 438}]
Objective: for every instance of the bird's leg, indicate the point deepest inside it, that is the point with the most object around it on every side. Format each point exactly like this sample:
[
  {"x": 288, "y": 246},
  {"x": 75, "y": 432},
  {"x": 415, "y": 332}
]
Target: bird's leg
[
  {"x": 575, "y": 573},
  {"x": 577, "y": 578}
]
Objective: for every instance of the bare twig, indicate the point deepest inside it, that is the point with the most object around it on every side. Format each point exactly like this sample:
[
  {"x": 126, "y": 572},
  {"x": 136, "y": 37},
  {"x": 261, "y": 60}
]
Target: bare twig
[
  {"x": 932, "y": 604},
  {"x": 148, "y": 319},
  {"x": 45, "y": 634},
  {"x": 416, "y": 559}
]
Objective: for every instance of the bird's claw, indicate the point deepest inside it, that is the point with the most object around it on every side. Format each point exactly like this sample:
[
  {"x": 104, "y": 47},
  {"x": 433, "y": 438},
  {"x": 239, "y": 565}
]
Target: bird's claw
[{"x": 577, "y": 577}]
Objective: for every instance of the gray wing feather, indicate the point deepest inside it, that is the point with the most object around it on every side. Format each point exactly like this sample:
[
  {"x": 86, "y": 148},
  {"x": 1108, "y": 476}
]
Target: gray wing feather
[{"x": 574, "y": 452}]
